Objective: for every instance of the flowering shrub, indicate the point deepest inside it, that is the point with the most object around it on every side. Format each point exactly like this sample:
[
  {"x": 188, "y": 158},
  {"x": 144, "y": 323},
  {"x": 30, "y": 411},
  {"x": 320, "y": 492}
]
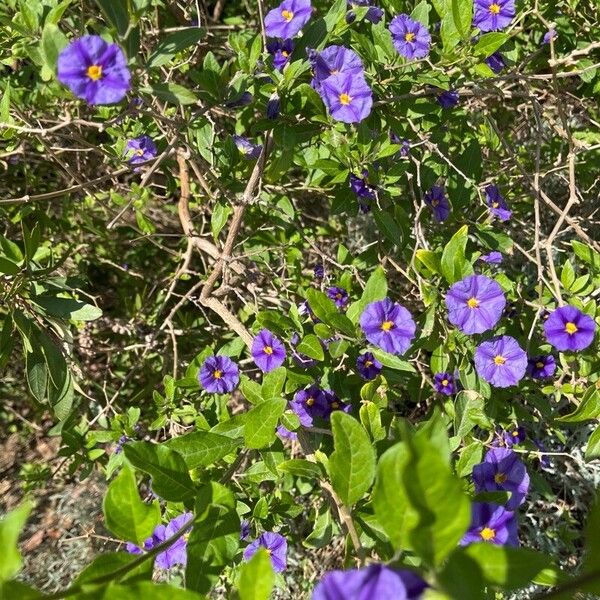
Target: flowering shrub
[{"x": 313, "y": 287}]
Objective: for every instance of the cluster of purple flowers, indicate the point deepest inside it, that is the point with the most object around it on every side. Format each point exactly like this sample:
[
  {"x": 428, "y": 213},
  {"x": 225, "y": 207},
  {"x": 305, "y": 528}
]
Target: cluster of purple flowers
[
  {"x": 339, "y": 78},
  {"x": 364, "y": 192}
]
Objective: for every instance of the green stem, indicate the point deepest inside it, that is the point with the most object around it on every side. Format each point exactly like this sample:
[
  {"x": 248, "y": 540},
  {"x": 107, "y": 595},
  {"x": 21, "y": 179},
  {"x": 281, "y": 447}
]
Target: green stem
[{"x": 570, "y": 586}]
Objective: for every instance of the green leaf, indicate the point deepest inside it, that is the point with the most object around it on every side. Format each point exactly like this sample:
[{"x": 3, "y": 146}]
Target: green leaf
[
  {"x": 173, "y": 44},
  {"x": 311, "y": 346},
  {"x": 261, "y": 421},
  {"x": 203, "y": 448},
  {"x": 273, "y": 382},
  {"x": 68, "y": 308},
  {"x": 352, "y": 464},
  {"x": 125, "y": 514},
  {"x": 326, "y": 310},
  {"x": 8, "y": 267},
  {"x": 392, "y": 361},
  {"x": 589, "y": 407},
  {"x": 375, "y": 289},
  {"x": 462, "y": 14},
  {"x": 143, "y": 589},
  {"x": 591, "y": 561},
  {"x": 256, "y": 577},
  {"x": 116, "y": 15},
  {"x": 37, "y": 373},
  {"x": 105, "y": 564},
  {"x": 170, "y": 477},
  {"x": 587, "y": 254},
  {"x": 15, "y": 590},
  {"x": 454, "y": 265},
  {"x": 593, "y": 446},
  {"x": 371, "y": 420},
  {"x": 219, "y": 218},
  {"x": 488, "y": 43},
  {"x": 301, "y": 468},
  {"x": 10, "y": 528},
  {"x": 421, "y": 13},
  {"x": 430, "y": 259},
  {"x": 567, "y": 275},
  {"x": 172, "y": 93},
  {"x": 53, "y": 41},
  {"x": 55, "y": 15}
]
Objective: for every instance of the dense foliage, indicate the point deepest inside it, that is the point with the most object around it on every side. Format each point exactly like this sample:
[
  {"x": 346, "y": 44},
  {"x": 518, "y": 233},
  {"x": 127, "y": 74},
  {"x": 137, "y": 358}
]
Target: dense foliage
[{"x": 312, "y": 287}]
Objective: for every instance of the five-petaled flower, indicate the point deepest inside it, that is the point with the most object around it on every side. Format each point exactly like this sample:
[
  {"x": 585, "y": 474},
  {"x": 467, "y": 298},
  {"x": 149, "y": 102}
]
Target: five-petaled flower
[
  {"x": 94, "y": 70},
  {"x": 497, "y": 203},
  {"x": 347, "y": 96},
  {"x": 275, "y": 544},
  {"x": 510, "y": 438},
  {"x": 411, "y": 38},
  {"x": 502, "y": 470},
  {"x": 246, "y": 147},
  {"x": 388, "y": 325},
  {"x": 374, "y": 14},
  {"x": 368, "y": 366},
  {"x": 492, "y": 15},
  {"x": 333, "y": 60},
  {"x": 444, "y": 383},
  {"x": 475, "y": 304},
  {"x": 338, "y": 295},
  {"x": 448, "y": 98},
  {"x": 140, "y": 149},
  {"x": 219, "y": 374},
  {"x": 541, "y": 366},
  {"x": 281, "y": 51},
  {"x": 491, "y": 523},
  {"x": 176, "y": 553},
  {"x": 501, "y": 361},
  {"x": 309, "y": 404},
  {"x": 569, "y": 330},
  {"x": 437, "y": 200},
  {"x": 267, "y": 351},
  {"x": 493, "y": 258},
  {"x": 375, "y": 582},
  {"x": 288, "y": 18}
]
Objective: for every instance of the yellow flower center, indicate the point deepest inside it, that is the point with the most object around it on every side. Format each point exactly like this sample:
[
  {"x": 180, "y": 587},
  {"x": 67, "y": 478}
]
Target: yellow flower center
[
  {"x": 495, "y": 204},
  {"x": 338, "y": 296},
  {"x": 571, "y": 328},
  {"x": 409, "y": 37},
  {"x": 444, "y": 382},
  {"x": 268, "y": 350},
  {"x": 515, "y": 433},
  {"x": 487, "y": 534},
  {"x": 368, "y": 363},
  {"x": 435, "y": 202},
  {"x": 494, "y": 8},
  {"x": 310, "y": 401},
  {"x": 139, "y": 152},
  {"x": 334, "y": 71},
  {"x": 387, "y": 325},
  {"x": 217, "y": 374},
  {"x": 539, "y": 364},
  {"x": 499, "y": 360},
  {"x": 500, "y": 478},
  {"x": 285, "y": 53},
  {"x": 472, "y": 302},
  {"x": 345, "y": 99},
  {"x": 335, "y": 405},
  {"x": 94, "y": 72},
  {"x": 288, "y": 15}
]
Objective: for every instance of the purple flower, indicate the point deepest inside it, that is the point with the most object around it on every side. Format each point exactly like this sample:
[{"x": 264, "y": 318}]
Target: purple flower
[
  {"x": 541, "y": 367},
  {"x": 140, "y": 149},
  {"x": 411, "y": 38},
  {"x": 568, "y": 329},
  {"x": 388, "y": 325},
  {"x": 309, "y": 404},
  {"x": 549, "y": 35},
  {"x": 436, "y": 199},
  {"x": 280, "y": 50},
  {"x": 338, "y": 295},
  {"x": 176, "y": 553},
  {"x": 543, "y": 458},
  {"x": 267, "y": 351},
  {"x": 273, "y": 106},
  {"x": 374, "y": 14},
  {"x": 500, "y": 361},
  {"x": 347, "y": 97},
  {"x": 492, "y": 15},
  {"x": 375, "y": 582},
  {"x": 276, "y": 546},
  {"x": 219, "y": 374},
  {"x": 363, "y": 191},
  {"x": 444, "y": 384},
  {"x": 246, "y": 147},
  {"x": 243, "y": 100},
  {"x": 368, "y": 366},
  {"x": 94, "y": 70},
  {"x": 333, "y": 60},
  {"x": 119, "y": 447},
  {"x": 448, "y": 98},
  {"x": 475, "y": 304},
  {"x": 493, "y": 258},
  {"x": 502, "y": 470},
  {"x": 404, "y": 144},
  {"x": 319, "y": 271},
  {"x": 497, "y": 203},
  {"x": 495, "y": 62},
  {"x": 244, "y": 529},
  {"x": 285, "y": 434},
  {"x": 333, "y": 403},
  {"x": 288, "y": 18},
  {"x": 513, "y": 437},
  {"x": 491, "y": 523}
]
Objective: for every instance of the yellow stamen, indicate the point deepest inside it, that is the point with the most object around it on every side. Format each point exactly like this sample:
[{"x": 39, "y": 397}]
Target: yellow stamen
[
  {"x": 288, "y": 15},
  {"x": 494, "y": 8},
  {"x": 285, "y": 53},
  {"x": 94, "y": 72},
  {"x": 472, "y": 302},
  {"x": 368, "y": 363},
  {"x": 345, "y": 99},
  {"x": 571, "y": 328},
  {"x": 515, "y": 433},
  {"x": 335, "y": 405},
  {"x": 387, "y": 325},
  {"x": 435, "y": 202},
  {"x": 444, "y": 382},
  {"x": 217, "y": 374},
  {"x": 500, "y": 478},
  {"x": 487, "y": 534},
  {"x": 268, "y": 350},
  {"x": 539, "y": 364},
  {"x": 409, "y": 37},
  {"x": 499, "y": 360},
  {"x": 139, "y": 152},
  {"x": 310, "y": 401},
  {"x": 495, "y": 204}
]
